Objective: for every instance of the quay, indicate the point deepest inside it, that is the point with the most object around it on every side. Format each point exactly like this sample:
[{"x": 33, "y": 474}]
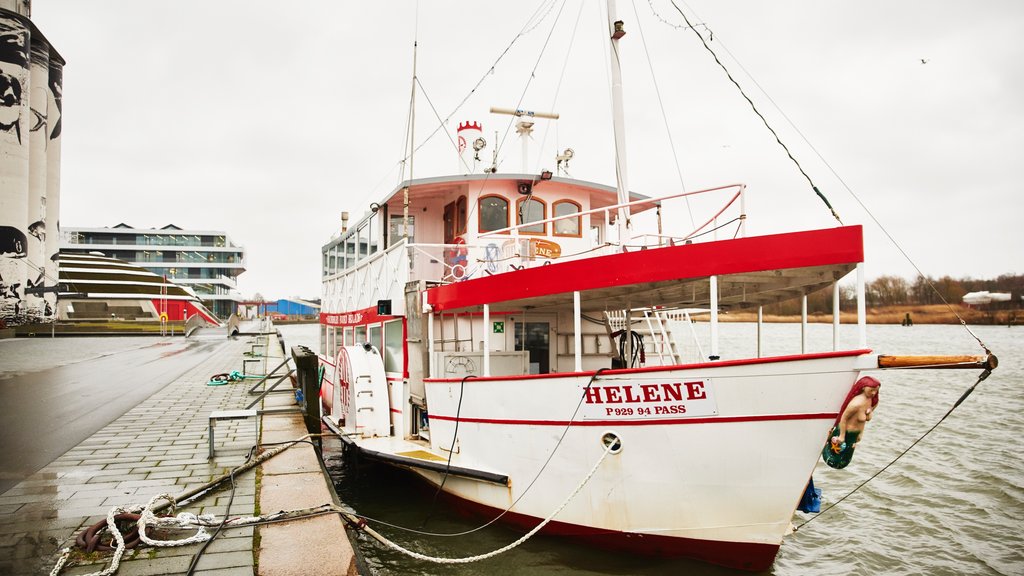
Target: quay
[{"x": 164, "y": 445}]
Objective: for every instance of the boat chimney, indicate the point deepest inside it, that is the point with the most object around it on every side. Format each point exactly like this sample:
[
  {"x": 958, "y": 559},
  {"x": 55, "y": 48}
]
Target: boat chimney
[
  {"x": 470, "y": 143},
  {"x": 344, "y": 222}
]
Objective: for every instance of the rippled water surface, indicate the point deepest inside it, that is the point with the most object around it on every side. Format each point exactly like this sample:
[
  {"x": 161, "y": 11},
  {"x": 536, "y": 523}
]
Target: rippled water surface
[{"x": 953, "y": 505}]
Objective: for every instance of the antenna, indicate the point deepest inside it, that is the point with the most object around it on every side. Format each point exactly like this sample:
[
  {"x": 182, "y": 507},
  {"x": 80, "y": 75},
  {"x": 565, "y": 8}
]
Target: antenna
[{"x": 524, "y": 128}]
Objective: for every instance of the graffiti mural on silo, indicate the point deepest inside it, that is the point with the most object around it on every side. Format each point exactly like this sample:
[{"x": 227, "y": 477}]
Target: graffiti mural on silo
[
  {"x": 36, "y": 308},
  {"x": 14, "y": 166},
  {"x": 30, "y": 118},
  {"x": 55, "y": 82}
]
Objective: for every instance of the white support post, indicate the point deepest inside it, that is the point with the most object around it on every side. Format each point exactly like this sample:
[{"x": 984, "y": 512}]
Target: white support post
[
  {"x": 760, "y": 325},
  {"x": 577, "y": 332},
  {"x": 714, "y": 318},
  {"x": 487, "y": 340},
  {"x": 431, "y": 362},
  {"x": 803, "y": 324},
  {"x": 835, "y": 316},
  {"x": 862, "y": 314}
]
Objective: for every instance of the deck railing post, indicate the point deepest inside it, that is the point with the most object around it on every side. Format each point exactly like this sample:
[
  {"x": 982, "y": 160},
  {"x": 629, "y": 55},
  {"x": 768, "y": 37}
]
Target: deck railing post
[
  {"x": 760, "y": 325},
  {"x": 803, "y": 324},
  {"x": 431, "y": 362},
  {"x": 835, "y": 316},
  {"x": 487, "y": 340},
  {"x": 577, "y": 336},
  {"x": 862, "y": 316},
  {"x": 714, "y": 318}
]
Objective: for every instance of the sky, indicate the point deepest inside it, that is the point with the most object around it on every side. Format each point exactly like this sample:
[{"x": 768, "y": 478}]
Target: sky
[{"x": 268, "y": 119}]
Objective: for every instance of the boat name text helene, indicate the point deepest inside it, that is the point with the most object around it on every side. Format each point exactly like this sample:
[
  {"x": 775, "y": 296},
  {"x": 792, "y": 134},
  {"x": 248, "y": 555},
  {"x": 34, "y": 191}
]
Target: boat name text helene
[{"x": 669, "y": 400}]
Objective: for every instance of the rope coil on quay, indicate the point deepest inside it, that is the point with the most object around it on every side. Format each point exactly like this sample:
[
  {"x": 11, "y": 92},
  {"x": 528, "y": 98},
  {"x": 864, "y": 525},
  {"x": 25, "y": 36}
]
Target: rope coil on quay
[{"x": 144, "y": 516}]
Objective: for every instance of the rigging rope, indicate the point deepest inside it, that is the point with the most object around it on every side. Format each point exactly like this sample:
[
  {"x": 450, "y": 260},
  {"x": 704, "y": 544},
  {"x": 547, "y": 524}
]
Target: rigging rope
[
  {"x": 455, "y": 438},
  {"x": 528, "y": 27},
  {"x": 664, "y": 115},
  {"x": 959, "y": 401},
  {"x": 814, "y": 187},
  {"x": 558, "y": 88},
  {"x": 842, "y": 182}
]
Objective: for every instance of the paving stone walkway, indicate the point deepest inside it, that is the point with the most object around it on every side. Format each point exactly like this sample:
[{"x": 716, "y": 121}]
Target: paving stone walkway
[{"x": 160, "y": 446}]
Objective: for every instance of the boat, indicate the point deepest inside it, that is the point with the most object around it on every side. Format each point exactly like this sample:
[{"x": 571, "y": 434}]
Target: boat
[
  {"x": 513, "y": 340},
  {"x": 100, "y": 293}
]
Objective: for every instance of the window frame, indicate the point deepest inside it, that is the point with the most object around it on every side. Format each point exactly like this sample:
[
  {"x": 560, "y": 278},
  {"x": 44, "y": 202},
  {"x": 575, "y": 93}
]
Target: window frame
[
  {"x": 520, "y": 226},
  {"x": 579, "y": 218},
  {"x": 480, "y": 213}
]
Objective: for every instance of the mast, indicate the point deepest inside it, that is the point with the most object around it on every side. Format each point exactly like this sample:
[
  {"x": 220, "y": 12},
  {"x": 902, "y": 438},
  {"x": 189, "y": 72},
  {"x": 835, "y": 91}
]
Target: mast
[
  {"x": 616, "y": 32},
  {"x": 412, "y": 145}
]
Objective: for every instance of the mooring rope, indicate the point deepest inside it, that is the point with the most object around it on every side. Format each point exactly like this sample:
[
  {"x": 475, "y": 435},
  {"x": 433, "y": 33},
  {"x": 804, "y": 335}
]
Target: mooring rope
[
  {"x": 440, "y": 560},
  {"x": 959, "y": 401},
  {"x": 147, "y": 515}
]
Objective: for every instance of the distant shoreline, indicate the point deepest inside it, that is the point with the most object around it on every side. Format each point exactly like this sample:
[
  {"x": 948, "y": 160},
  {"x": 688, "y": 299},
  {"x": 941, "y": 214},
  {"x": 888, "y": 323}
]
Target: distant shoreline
[{"x": 919, "y": 314}]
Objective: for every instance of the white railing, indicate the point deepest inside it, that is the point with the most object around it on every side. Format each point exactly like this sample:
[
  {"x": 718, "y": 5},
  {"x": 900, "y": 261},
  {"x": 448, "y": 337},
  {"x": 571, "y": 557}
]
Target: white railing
[
  {"x": 383, "y": 275},
  {"x": 380, "y": 276},
  {"x": 608, "y": 211}
]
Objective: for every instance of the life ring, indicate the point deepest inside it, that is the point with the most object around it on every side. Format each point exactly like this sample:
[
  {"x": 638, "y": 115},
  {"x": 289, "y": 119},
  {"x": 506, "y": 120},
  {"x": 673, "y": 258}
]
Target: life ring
[
  {"x": 224, "y": 377},
  {"x": 163, "y": 316}
]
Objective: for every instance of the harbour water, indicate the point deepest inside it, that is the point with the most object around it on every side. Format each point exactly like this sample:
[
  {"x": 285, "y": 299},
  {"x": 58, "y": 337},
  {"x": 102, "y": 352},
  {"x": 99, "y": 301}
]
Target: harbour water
[{"x": 952, "y": 505}]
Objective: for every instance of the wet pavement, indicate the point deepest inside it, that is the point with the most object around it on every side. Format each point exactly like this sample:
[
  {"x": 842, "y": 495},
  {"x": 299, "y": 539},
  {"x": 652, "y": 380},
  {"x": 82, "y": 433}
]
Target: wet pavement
[
  {"x": 131, "y": 425},
  {"x": 48, "y": 412}
]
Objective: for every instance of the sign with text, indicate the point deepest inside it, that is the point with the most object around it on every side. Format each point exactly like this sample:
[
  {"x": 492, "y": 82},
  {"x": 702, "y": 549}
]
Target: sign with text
[{"x": 627, "y": 400}]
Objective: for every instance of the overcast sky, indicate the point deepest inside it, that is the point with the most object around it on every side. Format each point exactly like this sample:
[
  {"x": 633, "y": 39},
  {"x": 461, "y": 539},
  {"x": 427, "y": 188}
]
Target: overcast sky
[{"x": 268, "y": 119}]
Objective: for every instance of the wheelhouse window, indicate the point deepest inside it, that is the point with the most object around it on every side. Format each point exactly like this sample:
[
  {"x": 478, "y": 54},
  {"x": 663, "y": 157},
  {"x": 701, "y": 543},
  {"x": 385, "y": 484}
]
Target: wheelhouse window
[
  {"x": 531, "y": 210},
  {"x": 493, "y": 213},
  {"x": 566, "y": 226}
]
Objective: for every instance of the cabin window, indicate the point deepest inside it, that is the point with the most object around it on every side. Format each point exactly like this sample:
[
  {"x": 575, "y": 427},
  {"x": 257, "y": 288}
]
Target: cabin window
[
  {"x": 493, "y": 213},
  {"x": 394, "y": 353},
  {"x": 338, "y": 341},
  {"x": 348, "y": 337},
  {"x": 360, "y": 334},
  {"x": 372, "y": 232},
  {"x": 326, "y": 269},
  {"x": 531, "y": 210},
  {"x": 363, "y": 241},
  {"x": 396, "y": 230},
  {"x": 350, "y": 251},
  {"x": 567, "y": 226},
  {"x": 376, "y": 336},
  {"x": 323, "y": 339}
]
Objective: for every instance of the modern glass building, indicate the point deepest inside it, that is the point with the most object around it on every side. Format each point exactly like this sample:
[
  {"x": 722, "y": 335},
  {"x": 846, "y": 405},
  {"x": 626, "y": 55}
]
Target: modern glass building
[{"x": 206, "y": 261}]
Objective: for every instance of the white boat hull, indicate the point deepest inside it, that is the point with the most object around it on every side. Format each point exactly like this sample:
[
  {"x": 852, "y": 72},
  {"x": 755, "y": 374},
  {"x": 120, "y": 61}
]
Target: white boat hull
[{"x": 719, "y": 482}]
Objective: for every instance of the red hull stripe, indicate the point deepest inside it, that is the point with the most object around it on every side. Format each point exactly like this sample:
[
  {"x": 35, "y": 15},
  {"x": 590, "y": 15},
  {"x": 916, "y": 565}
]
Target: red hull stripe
[
  {"x": 667, "y": 421},
  {"x": 703, "y": 365},
  {"x": 773, "y": 252},
  {"x": 738, "y": 555}
]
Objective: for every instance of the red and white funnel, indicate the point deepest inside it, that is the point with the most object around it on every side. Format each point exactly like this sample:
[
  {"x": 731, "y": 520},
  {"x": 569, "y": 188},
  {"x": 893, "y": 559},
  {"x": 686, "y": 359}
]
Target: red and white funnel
[{"x": 469, "y": 139}]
